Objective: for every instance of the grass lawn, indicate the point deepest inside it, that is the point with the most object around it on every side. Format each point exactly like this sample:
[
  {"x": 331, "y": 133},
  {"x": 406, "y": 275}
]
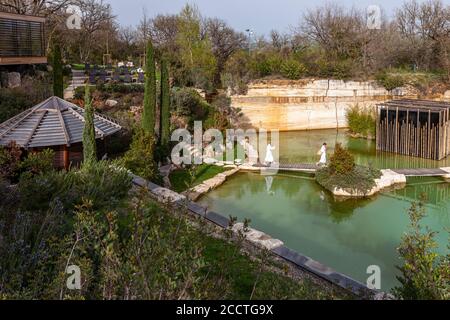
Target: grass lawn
[
  {"x": 234, "y": 274},
  {"x": 78, "y": 66},
  {"x": 246, "y": 276},
  {"x": 181, "y": 179}
]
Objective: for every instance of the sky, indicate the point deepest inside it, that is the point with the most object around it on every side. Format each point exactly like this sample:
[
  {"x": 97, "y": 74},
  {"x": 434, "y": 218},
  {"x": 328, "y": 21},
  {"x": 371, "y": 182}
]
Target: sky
[{"x": 261, "y": 16}]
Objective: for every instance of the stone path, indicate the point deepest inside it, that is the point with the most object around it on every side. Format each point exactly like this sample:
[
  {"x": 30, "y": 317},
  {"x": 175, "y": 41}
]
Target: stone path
[{"x": 78, "y": 80}]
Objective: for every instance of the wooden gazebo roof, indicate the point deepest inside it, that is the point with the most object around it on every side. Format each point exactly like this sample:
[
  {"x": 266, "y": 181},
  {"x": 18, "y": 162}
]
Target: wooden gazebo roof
[
  {"x": 416, "y": 104},
  {"x": 53, "y": 122}
]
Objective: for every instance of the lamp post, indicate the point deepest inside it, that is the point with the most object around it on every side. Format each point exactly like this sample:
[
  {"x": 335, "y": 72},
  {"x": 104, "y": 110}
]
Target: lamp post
[{"x": 250, "y": 34}]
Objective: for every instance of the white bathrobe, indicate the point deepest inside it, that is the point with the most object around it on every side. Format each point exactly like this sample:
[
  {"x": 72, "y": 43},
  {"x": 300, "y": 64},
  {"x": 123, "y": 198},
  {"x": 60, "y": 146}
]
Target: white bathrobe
[
  {"x": 269, "y": 155},
  {"x": 323, "y": 155}
]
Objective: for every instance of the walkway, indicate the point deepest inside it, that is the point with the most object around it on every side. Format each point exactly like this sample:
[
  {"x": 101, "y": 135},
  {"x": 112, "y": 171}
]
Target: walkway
[
  {"x": 310, "y": 167},
  {"x": 78, "y": 80}
]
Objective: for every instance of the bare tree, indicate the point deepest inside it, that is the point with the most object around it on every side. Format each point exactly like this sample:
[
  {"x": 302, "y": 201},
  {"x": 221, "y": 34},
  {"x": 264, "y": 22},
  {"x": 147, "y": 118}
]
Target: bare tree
[
  {"x": 125, "y": 44},
  {"x": 337, "y": 30},
  {"x": 34, "y": 7},
  {"x": 164, "y": 31},
  {"x": 96, "y": 16},
  {"x": 225, "y": 41},
  {"x": 279, "y": 41},
  {"x": 427, "y": 28}
]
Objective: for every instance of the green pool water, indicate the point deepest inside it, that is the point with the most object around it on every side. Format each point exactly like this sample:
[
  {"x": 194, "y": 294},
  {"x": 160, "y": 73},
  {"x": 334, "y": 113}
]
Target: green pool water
[{"x": 346, "y": 235}]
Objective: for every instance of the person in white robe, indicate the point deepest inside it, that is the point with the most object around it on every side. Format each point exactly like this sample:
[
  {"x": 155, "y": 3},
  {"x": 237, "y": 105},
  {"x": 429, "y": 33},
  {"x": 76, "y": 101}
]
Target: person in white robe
[
  {"x": 269, "y": 155},
  {"x": 323, "y": 155}
]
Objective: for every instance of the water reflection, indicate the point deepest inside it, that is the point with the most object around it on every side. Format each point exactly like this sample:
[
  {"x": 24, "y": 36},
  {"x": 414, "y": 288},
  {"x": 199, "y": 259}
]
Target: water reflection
[
  {"x": 301, "y": 147},
  {"x": 346, "y": 234}
]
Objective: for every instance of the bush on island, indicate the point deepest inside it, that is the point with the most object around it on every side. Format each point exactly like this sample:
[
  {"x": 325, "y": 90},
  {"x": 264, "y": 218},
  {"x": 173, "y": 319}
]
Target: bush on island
[{"x": 343, "y": 173}]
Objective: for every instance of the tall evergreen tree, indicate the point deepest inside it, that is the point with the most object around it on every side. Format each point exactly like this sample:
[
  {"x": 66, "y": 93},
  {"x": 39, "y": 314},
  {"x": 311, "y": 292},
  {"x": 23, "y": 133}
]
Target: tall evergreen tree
[
  {"x": 149, "y": 114},
  {"x": 165, "y": 104},
  {"x": 89, "y": 145},
  {"x": 58, "y": 82}
]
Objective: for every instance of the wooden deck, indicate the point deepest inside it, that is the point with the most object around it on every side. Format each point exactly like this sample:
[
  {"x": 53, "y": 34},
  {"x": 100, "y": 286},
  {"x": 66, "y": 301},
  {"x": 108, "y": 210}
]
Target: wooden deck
[{"x": 310, "y": 167}]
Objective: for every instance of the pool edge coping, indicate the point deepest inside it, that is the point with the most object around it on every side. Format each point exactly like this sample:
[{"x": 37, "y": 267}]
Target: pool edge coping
[{"x": 297, "y": 259}]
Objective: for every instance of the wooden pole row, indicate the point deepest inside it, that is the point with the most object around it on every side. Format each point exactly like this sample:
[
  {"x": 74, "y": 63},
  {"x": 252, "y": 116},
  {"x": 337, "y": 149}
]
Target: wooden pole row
[{"x": 398, "y": 133}]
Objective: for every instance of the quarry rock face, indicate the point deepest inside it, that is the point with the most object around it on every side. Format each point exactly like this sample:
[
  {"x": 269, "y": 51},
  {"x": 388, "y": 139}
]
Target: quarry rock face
[
  {"x": 308, "y": 104},
  {"x": 447, "y": 95}
]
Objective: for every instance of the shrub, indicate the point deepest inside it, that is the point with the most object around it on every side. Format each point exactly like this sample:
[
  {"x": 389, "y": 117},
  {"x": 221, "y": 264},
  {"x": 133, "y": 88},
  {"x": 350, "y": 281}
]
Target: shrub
[
  {"x": 260, "y": 66},
  {"x": 140, "y": 158},
  {"x": 12, "y": 102},
  {"x": 292, "y": 69},
  {"x": 37, "y": 191},
  {"x": 110, "y": 89},
  {"x": 187, "y": 178},
  {"x": 10, "y": 158},
  {"x": 102, "y": 183},
  {"x": 359, "y": 180},
  {"x": 424, "y": 275},
  {"x": 39, "y": 162},
  {"x": 341, "y": 162},
  {"x": 390, "y": 81},
  {"x": 361, "y": 122},
  {"x": 342, "y": 173},
  {"x": 336, "y": 69},
  {"x": 188, "y": 102}
]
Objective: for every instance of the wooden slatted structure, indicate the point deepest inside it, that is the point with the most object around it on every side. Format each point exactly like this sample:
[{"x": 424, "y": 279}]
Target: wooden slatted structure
[
  {"x": 418, "y": 128},
  {"x": 22, "y": 39},
  {"x": 57, "y": 124}
]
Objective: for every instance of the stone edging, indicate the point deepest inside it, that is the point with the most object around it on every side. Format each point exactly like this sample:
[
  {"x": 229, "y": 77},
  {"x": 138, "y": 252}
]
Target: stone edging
[
  {"x": 388, "y": 178},
  {"x": 261, "y": 239},
  {"x": 206, "y": 186},
  {"x": 446, "y": 177}
]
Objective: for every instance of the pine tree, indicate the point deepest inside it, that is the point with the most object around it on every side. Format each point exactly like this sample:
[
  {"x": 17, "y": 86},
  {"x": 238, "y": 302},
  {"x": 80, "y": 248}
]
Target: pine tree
[
  {"x": 165, "y": 104},
  {"x": 58, "y": 82},
  {"x": 89, "y": 145},
  {"x": 148, "y": 117}
]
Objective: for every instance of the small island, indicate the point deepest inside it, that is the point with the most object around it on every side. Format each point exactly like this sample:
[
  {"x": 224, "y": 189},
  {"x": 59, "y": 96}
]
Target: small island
[{"x": 343, "y": 177}]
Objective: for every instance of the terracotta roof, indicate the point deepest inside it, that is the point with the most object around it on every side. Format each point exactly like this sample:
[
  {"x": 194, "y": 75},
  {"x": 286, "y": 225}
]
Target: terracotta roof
[{"x": 51, "y": 123}]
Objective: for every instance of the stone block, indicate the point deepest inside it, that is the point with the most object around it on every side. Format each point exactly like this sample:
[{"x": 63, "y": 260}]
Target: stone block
[
  {"x": 215, "y": 182},
  {"x": 111, "y": 103},
  {"x": 257, "y": 237},
  {"x": 167, "y": 196}
]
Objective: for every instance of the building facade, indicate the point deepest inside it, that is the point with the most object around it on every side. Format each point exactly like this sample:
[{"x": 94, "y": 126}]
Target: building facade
[{"x": 22, "y": 40}]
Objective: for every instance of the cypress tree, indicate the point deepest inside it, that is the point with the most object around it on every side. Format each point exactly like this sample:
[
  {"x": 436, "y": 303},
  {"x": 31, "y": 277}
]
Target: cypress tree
[
  {"x": 89, "y": 146},
  {"x": 165, "y": 104},
  {"x": 58, "y": 82},
  {"x": 148, "y": 117}
]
